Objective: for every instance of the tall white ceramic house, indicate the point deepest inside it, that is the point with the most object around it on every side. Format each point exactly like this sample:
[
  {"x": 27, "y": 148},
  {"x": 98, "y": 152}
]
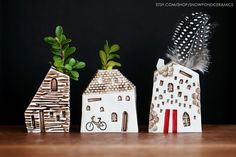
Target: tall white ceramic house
[
  {"x": 109, "y": 104},
  {"x": 175, "y": 105}
]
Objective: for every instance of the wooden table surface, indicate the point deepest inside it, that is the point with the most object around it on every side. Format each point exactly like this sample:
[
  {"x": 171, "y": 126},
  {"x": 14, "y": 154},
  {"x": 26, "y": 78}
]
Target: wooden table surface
[{"x": 216, "y": 141}]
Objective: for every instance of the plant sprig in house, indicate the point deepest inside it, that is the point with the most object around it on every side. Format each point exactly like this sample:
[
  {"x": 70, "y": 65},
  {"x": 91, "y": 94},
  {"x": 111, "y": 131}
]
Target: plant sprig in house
[
  {"x": 62, "y": 51},
  {"x": 108, "y": 55}
]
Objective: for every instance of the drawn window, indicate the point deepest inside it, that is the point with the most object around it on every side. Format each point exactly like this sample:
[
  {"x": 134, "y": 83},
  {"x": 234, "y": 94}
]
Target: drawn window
[
  {"x": 186, "y": 81},
  {"x": 58, "y": 117},
  {"x": 155, "y": 98},
  {"x": 33, "y": 122},
  {"x": 54, "y": 85},
  {"x": 181, "y": 81},
  {"x": 51, "y": 114},
  {"x": 127, "y": 98},
  {"x": 189, "y": 87},
  {"x": 119, "y": 98},
  {"x": 161, "y": 83},
  {"x": 160, "y": 97},
  {"x": 158, "y": 105},
  {"x": 114, "y": 117},
  {"x": 170, "y": 87},
  {"x": 64, "y": 114},
  {"x": 164, "y": 91},
  {"x": 185, "y": 98},
  {"x": 157, "y": 89},
  {"x": 161, "y": 110},
  {"x": 175, "y": 78},
  {"x": 178, "y": 87},
  {"x": 179, "y": 94},
  {"x": 101, "y": 109},
  {"x": 194, "y": 117},
  {"x": 88, "y": 108},
  {"x": 186, "y": 119},
  {"x": 194, "y": 84}
]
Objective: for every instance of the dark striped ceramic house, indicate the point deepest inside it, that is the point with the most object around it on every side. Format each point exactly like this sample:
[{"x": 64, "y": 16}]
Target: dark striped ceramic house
[{"x": 49, "y": 111}]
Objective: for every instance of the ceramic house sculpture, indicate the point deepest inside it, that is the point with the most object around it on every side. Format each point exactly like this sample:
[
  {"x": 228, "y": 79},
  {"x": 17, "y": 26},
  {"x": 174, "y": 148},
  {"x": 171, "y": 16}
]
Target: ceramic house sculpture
[
  {"x": 176, "y": 104},
  {"x": 109, "y": 101},
  {"x": 49, "y": 110}
]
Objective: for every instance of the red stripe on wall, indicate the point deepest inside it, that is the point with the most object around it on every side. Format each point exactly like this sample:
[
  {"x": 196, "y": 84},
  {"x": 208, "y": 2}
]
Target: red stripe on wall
[
  {"x": 174, "y": 121},
  {"x": 166, "y": 121}
]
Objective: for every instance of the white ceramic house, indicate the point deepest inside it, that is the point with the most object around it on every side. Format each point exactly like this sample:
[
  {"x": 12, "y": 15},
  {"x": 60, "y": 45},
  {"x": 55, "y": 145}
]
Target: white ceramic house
[
  {"x": 109, "y": 104},
  {"x": 175, "y": 105},
  {"x": 49, "y": 110}
]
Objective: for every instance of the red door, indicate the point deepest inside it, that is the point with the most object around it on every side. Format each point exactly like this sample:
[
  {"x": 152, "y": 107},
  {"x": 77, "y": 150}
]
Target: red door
[
  {"x": 174, "y": 121},
  {"x": 167, "y": 119}
]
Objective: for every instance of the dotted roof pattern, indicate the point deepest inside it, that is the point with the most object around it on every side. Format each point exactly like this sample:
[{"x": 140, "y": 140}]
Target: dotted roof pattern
[{"x": 107, "y": 81}]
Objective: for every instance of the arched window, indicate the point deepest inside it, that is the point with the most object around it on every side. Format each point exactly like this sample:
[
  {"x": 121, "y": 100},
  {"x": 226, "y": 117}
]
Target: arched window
[
  {"x": 170, "y": 87},
  {"x": 114, "y": 117},
  {"x": 119, "y": 98},
  {"x": 88, "y": 108},
  {"x": 186, "y": 119},
  {"x": 54, "y": 85},
  {"x": 127, "y": 98},
  {"x": 101, "y": 109}
]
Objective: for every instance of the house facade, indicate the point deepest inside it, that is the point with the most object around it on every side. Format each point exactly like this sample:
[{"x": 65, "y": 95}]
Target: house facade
[
  {"x": 49, "y": 110},
  {"x": 175, "y": 105},
  {"x": 109, "y": 104}
]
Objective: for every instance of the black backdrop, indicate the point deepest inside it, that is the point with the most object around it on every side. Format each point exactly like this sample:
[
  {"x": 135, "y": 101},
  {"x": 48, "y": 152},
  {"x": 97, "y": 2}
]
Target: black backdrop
[{"x": 143, "y": 31}]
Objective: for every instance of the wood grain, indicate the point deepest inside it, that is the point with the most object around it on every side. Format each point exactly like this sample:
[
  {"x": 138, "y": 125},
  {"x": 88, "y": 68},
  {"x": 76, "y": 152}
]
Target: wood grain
[{"x": 216, "y": 140}]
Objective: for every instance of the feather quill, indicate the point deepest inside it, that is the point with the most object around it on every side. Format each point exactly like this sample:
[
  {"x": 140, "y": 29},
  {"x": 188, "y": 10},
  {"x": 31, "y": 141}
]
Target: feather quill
[{"x": 190, "y": 41}]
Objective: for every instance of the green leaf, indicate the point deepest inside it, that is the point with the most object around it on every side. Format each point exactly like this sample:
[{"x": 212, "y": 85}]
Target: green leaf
[
  {"x": 69, "y": 51},
  {"x": 49, "y": 40},
  {"x": 79, "y": 65},
  {"x": 59, "y": 32},
  {"x": 56, "y": 46},
  {"x": 102, "y": 57},
  {"x": 111, "y": 64},
  {"x": 66, "y": 41},
  {"x": 57, "y": 58},
  {"x": 114, "y": 48},
  {"x": 72, "y": 62},
  {"x": 68, "y": 67},
  {"x": 58, "y": 63},
  {"x": 74, "y": 75},
  {"x": 112, "y": 56},
  {"x": 65, "y": 47},
  {"x": 106, "y": 47},
  {"x": 56, "y": 52}
]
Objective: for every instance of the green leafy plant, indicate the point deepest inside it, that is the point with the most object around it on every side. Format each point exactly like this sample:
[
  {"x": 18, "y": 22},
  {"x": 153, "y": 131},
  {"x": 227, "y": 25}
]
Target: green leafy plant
[
  {"x": 61, "y": 49},
  {"x": 108, "y": 54}
]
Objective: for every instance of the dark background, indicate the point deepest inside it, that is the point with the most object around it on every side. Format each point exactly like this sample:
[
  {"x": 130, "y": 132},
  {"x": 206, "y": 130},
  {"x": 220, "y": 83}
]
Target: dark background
[{"x": 143, "y": 31}]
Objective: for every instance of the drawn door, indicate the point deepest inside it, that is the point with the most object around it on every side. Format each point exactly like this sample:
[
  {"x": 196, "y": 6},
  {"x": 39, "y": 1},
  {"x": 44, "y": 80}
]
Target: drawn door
[
  {"x": 124, "y": 121},
  {"x": 41, "y": 117}
]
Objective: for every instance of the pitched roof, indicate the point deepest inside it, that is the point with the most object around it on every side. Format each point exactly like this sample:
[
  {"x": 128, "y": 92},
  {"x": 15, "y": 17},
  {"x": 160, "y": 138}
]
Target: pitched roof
[{"x": 107, "y": 81}]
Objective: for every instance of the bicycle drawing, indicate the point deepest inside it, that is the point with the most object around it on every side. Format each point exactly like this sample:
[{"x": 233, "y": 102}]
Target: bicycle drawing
[{"x": 100, "y": 124}]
